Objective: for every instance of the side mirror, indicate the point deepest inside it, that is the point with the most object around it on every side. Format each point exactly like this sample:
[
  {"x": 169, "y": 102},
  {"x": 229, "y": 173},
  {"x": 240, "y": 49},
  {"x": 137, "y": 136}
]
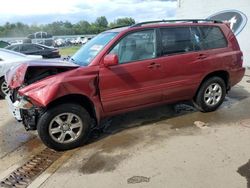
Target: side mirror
[{"x": 110, "y": 60}]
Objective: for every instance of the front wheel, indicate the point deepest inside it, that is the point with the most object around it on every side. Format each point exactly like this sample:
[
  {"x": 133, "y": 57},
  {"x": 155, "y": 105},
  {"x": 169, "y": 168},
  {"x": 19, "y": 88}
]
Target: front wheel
[
  {"x": 64, "y": 126},
  {"x": 210, "y": 95}
]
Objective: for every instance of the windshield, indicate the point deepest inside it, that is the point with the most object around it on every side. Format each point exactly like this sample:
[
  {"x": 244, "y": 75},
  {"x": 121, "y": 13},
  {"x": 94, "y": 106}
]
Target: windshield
[{"x": 90, "y": 50}]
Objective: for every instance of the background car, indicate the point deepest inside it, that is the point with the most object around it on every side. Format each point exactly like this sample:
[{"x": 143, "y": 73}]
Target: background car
[
  {"x": 3, "y": 44},
  {"x": 41, "y": 38},
  {"x": 35, "y": 49},
  {"x": 7, "y": 60}
]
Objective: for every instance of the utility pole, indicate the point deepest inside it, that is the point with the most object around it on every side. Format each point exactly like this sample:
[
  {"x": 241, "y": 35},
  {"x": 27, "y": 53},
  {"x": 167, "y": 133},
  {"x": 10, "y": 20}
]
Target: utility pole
[{"x": 179, "y": 3}]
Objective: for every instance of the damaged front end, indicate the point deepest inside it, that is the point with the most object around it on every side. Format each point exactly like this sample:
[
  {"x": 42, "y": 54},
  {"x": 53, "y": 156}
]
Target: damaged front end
[{"x": 23, "y": 108}]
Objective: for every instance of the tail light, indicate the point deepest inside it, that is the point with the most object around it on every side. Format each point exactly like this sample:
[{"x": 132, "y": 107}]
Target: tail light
[{"x": 242, "y": 59}]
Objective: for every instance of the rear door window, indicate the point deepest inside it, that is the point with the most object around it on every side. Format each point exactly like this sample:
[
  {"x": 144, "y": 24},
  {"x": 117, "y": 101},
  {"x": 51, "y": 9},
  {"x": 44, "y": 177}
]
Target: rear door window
[{"x": 176, "y": 40}]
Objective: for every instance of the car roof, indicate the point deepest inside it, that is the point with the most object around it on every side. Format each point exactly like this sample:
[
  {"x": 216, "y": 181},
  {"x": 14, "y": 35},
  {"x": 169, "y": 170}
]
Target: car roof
[
  {"x": 41, "y": 45},
  {"x": 119, "y": 29},
  {"x": 26, "y": 44}
]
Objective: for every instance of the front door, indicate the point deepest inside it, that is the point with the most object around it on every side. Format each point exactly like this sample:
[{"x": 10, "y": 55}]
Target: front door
[{"x": 137, "y": 79}]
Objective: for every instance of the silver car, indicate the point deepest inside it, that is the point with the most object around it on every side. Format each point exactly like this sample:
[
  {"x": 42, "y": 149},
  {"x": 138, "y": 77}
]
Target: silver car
[{"x": 9, "y": 59}]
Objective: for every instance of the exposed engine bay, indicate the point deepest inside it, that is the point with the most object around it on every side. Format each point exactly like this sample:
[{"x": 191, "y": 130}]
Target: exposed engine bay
[
  {"x": 32, "y": 73},
  {"x": 35, "y": 74}
]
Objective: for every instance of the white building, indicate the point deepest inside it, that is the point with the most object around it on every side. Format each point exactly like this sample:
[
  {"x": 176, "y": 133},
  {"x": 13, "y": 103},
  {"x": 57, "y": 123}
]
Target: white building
[{"x": 235, "y": 11}]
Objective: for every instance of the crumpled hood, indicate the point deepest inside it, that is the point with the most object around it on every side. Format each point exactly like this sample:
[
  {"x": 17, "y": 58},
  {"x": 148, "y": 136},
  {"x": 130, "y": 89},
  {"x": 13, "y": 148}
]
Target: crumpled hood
[
  {"x": 81, "y": 81},
  {"x": 32, "y": 71}
]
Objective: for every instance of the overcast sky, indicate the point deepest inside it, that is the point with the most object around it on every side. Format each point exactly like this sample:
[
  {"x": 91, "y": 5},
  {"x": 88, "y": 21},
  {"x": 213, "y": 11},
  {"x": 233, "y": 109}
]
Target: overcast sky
[{"x": 46, "y": 11}]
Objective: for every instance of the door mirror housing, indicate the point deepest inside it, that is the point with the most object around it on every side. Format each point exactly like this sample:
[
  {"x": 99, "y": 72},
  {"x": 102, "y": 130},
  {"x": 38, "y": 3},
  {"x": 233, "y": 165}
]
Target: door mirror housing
[{"x": 110, "y": 60}]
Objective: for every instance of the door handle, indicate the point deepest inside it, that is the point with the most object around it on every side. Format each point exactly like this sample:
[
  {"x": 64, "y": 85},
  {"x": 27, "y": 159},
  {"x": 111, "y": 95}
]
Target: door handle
[
  {"x": 154, "y": 65},
  {"x": 202, "y": 56}
]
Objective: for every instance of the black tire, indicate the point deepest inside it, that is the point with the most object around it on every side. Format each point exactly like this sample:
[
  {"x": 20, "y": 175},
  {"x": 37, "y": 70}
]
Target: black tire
[
  {"x": 199, "y": 100},
  {"x": 2, "y": 94},
  {"x": 45, "y": 120}
]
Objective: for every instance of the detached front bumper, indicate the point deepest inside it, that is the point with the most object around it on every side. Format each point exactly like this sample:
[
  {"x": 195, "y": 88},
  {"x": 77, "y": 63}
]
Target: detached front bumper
[
  {"x": 24, "y": 111},
  {"x": 15, "y": 111}
]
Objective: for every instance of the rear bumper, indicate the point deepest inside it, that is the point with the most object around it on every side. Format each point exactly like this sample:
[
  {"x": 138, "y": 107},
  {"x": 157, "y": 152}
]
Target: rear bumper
[
  {"x": 52, "y": 55},
  {"x": 236, "y": 76}
]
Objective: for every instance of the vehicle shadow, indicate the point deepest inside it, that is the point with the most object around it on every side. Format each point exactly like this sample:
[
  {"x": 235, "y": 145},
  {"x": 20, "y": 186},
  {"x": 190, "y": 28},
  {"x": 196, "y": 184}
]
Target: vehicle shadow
[
  {"x": 169, "y": 114},
  {"x": 127, "y": 132}
]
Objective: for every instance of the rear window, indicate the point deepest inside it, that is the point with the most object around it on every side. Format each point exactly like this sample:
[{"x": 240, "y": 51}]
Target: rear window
[{"x": 207, "y": 37}]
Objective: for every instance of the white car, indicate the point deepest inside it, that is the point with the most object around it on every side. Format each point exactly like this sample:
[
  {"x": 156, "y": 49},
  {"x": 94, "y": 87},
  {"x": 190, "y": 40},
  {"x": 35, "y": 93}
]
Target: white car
[{"x": 9, "y": 59}]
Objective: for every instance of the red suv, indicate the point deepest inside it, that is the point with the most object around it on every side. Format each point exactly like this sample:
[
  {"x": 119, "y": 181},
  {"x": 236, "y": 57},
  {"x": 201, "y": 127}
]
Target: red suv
[{"x": 126, "y": 69}]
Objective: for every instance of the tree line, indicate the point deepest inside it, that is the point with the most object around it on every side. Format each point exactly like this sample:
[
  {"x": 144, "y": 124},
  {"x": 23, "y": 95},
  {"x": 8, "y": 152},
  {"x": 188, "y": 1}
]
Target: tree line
[{"x": 63, "y": 27}]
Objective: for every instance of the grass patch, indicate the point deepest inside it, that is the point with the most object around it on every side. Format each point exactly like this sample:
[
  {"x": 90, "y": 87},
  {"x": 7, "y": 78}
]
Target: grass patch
[{"x": 68, "y": 51}]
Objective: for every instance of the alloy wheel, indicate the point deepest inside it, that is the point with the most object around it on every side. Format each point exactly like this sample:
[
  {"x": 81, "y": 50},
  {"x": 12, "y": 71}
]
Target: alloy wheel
[
  {"x": 65, "y": 128},
  {"x": 213, "y": 94}
]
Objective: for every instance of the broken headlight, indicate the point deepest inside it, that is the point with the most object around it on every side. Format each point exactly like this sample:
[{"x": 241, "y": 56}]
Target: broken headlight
[{"x": 23, "y": 103}]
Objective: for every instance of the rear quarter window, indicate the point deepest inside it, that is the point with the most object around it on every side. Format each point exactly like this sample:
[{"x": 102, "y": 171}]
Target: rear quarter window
[{"x": 211, "y": 37}]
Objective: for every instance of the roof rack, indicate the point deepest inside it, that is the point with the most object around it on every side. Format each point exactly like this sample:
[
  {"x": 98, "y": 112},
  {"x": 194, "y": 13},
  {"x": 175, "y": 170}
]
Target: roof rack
[
  {"x": 119, "y": 26},
  {"x": 181, "y": 20}
]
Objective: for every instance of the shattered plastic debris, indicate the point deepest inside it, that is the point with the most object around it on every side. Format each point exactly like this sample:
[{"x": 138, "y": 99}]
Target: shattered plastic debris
[
  {"x": 245, "y": 123},
  {"x": 200, "y": 124},
  {"x": 138, "y": 179}
]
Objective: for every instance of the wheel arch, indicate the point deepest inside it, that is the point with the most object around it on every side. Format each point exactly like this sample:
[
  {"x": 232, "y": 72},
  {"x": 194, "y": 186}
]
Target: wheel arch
[
  {"x": 220, "y": 73},
  {"x": 79, "y": 99}
]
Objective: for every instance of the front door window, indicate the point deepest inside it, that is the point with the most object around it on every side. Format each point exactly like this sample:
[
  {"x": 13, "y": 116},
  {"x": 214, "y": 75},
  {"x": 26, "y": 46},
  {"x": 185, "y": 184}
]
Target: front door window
[{"x": 136, "y": 47}]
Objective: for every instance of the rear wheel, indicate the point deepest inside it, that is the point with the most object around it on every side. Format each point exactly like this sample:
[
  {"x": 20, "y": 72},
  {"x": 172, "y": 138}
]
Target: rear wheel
[
  {"x": 64, "y": 126},
  {"x": 4, "y": 90},
  {"x": 211, "y": 94}
]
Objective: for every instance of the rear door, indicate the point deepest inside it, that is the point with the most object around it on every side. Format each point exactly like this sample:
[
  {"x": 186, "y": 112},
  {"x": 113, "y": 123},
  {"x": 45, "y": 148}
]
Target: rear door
[
  {"x": 181, "y": 61},
  {"x": 215, "y": 51},
  {"x": 189, "y": 54},
  {"x": 137, "y": 79}
]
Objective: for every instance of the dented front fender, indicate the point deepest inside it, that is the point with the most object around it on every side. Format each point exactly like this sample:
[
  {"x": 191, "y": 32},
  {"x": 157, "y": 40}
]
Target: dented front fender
[{"x": 78, "y": 81}]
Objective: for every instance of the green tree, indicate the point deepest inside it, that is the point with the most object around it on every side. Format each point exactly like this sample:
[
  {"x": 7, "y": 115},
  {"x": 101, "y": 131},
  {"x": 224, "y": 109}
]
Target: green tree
[
  {"x": 101, "y": 22},
  {"x": 62, "y": 28},
  {"x": 122, "y": 22}
]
